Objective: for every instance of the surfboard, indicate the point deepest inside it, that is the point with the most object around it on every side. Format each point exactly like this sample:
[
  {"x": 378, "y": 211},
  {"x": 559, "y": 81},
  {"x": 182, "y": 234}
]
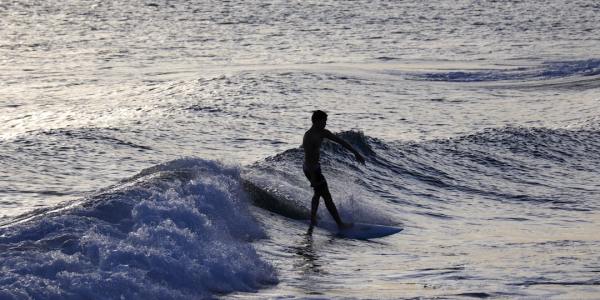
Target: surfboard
[{"x": 360, "y": 231}]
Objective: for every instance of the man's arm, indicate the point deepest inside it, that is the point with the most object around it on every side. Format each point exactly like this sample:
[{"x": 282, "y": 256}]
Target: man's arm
[{"x": 336, "y": 139}]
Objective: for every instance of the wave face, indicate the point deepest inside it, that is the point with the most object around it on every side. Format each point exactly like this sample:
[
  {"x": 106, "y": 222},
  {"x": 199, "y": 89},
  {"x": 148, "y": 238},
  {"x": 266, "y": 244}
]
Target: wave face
[
  {"x": 184, "y": 229},
  {"x": 474, "y": 208},
  {"x": 518, "y": 165},
  {"x": 179, "y": 230}
]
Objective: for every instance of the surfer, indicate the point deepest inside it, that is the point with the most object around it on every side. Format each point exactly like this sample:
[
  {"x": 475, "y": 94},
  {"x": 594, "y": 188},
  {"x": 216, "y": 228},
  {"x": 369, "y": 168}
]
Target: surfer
[{"x": 312, "y": 169}]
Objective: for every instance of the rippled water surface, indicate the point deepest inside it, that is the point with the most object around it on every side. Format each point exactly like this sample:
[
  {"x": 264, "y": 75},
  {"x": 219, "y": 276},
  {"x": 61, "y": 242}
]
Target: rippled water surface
[{"x": 479, "y": 120}]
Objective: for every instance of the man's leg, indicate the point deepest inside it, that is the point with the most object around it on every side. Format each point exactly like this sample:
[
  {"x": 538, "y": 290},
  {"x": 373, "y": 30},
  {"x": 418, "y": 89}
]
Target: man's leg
[
  {"x": 313, "y": 211},
  {"x": 332, "y": 209}
]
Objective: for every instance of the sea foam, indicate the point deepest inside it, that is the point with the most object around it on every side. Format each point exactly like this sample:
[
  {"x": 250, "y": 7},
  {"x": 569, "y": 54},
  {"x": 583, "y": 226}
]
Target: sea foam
[{"x": 177, "y": 230}]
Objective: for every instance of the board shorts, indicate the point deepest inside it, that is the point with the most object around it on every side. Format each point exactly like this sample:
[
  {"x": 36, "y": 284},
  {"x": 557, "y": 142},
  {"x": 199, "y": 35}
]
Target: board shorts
[{"x": 315, "y": 176}]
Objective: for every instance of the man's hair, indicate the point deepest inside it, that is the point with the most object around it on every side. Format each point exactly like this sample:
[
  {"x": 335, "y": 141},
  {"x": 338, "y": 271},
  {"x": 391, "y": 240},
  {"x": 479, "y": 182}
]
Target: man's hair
[{"x": 318, "y": 115}]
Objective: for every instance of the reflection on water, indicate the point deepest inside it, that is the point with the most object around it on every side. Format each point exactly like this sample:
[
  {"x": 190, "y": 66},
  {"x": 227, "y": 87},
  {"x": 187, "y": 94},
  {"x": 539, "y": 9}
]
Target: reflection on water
[
  {"x": 309, "y": 258},
  {"x": 445, "y": 259}
]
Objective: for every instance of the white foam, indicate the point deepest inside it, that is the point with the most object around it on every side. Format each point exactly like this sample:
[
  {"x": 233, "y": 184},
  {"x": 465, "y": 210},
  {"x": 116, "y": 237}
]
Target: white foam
[{"x": 181, "y": 230}]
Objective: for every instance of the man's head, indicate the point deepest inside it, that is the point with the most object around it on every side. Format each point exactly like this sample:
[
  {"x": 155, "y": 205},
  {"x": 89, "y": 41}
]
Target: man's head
[{"x": 319, "y": 118}]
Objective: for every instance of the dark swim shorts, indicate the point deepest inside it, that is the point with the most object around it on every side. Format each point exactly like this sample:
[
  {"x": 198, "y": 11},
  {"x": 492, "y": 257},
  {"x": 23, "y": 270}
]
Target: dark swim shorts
[{"x": 314, "y": 175}]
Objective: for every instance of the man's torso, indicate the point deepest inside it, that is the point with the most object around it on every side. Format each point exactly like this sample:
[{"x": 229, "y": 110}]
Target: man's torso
[{"x": 312, "y": 144}]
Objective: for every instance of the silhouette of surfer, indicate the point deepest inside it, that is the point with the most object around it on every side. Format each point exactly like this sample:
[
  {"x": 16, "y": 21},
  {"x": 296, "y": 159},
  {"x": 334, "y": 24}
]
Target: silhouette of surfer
[{"x": 312, "y": 169}]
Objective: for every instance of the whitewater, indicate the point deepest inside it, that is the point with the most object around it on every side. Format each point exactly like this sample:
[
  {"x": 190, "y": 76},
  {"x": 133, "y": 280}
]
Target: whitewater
[{"x": 151, "y": 149}]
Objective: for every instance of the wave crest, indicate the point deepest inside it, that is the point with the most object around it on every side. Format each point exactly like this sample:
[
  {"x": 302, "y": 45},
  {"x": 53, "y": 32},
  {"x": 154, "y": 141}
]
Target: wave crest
[
  {"x": 177, "y": 230},
  {"x": 547, "y": 70}
]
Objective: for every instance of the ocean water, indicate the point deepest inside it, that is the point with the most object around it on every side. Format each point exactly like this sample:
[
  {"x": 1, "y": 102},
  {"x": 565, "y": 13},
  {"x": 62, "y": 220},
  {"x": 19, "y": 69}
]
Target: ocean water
[{"x": 150, "y": 149}]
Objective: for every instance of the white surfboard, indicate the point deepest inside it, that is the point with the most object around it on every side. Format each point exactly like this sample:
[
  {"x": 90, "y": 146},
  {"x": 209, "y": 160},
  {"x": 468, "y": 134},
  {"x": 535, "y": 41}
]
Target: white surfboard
[{"x": 360, "y": 231}]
